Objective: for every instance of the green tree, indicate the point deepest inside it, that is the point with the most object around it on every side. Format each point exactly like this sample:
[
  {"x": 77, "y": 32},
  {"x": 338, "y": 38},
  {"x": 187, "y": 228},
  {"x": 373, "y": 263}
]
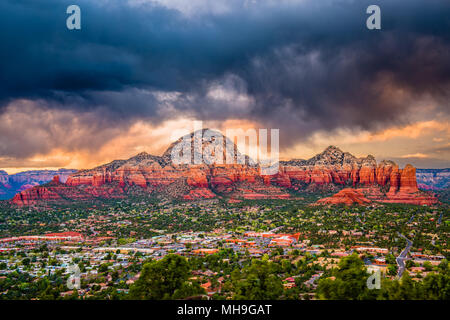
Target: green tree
[
  {"x": 103, "y": 267},
  {"x": 257, "y": 282},
  {"x": 408, "y": 289},
  {"x": 26, "y": 261},
  {"x": 436, "y": 287},
  {"x": 350, "y": 281},
  {"x": 428, "y": 266},
  {"x": 164, "y": 279}
]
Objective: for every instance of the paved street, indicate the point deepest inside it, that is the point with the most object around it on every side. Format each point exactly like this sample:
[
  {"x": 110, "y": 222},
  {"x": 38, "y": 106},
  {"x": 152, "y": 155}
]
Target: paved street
[{"x": 401, "y": 258}]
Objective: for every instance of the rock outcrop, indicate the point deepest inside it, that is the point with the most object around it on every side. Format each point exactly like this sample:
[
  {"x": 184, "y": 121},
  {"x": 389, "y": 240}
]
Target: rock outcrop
[
  {"x": 199, "y": 193},
  {"x": 367, "y": 195},
  {"x": 58, "y": 192},
  {"x": 347, "y": 197}
]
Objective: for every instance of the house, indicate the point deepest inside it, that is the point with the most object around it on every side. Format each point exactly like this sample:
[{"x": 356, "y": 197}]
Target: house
[
  {"x": 289, "y": 285},
  {"x": 205, "y": 251}
]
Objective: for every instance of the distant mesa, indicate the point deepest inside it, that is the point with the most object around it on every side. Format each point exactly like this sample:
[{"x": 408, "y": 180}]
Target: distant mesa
[
  {"x": 433, "y": 179},
  {"x": 363, "y": 180},
  {"x": 14, "y": 183}
]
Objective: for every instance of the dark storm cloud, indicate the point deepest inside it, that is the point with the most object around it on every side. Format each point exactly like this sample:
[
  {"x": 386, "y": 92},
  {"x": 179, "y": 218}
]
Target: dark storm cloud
[{"x": 303, "y": 67}]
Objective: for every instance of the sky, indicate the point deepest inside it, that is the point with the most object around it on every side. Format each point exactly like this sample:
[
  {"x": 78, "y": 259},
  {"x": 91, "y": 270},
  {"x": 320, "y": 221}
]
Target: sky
[{"x": 140, "y": 69}]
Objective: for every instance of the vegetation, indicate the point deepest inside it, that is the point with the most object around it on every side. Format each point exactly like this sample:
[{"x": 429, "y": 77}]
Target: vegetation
[{"x": 165, "y": 279}]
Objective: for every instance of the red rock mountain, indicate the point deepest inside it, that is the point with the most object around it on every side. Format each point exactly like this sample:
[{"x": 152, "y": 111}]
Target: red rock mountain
[
  {"x": 12, "y": 184},
  {"x": 158, "y": 175}
]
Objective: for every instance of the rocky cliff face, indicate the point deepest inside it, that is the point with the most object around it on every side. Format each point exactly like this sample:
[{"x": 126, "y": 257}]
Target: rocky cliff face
[
  {"x": 55, "y": 191},
  {"x": 12, "y": 184},
  {"x": 151, "y": 174},
  {"x": 337, "y": 167}
]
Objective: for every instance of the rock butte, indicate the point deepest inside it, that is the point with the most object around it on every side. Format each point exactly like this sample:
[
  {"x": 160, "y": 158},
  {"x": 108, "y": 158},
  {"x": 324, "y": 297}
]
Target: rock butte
[
  {"x": 149, "y": 174},
  {"x": 346, "y": 196}
]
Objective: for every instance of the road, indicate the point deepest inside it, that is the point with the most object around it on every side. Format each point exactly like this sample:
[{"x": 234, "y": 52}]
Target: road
[
  {"x": 440, "y": 219},
  {"x": 401, "y": 258}
]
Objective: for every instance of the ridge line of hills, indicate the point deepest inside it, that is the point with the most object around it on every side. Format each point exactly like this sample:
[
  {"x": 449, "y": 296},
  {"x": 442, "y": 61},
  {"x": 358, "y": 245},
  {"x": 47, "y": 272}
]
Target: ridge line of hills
[{"x": 11, "y": 184}]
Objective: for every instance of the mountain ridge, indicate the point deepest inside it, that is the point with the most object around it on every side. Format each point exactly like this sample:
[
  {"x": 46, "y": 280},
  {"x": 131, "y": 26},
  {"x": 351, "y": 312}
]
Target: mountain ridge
[
  {"x": 433, "y": 179},
  {"x": 11, "y": 184}
]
